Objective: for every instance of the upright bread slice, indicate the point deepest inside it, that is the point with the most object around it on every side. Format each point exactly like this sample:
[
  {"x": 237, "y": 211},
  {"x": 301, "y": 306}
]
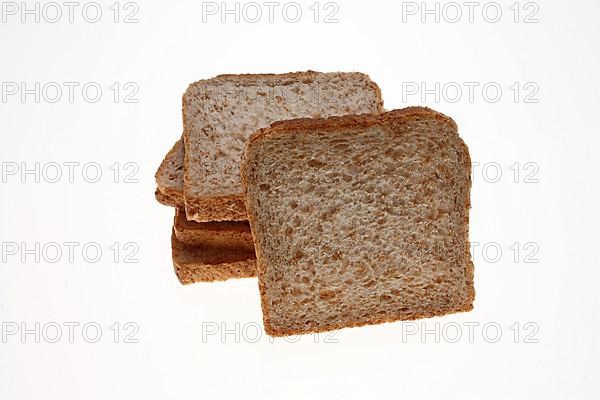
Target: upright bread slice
[
  {"x": 223, "y": 234},
  {"x": 206, "y": 263},
  {"x": 359, "y": 219},
  {"x": 219, "y": 114},
  {"x": 169, "y": 177}
]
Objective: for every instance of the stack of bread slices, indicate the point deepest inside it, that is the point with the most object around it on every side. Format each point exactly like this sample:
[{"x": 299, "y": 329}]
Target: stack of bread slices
[
  {"x": 348, "y": 215},
  {"x": 202, "y": 251},
  {"x": 200, "y": 175}
]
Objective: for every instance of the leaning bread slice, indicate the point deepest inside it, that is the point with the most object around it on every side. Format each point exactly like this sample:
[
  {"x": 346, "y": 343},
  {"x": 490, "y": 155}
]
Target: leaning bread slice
[
  {"x": 359, "y": 220},
  {"x": 207, "y": 263},
  {"x": 222, "y": 234},
  {"x": 219, "y": 114},
  {"x": 169, "y": 177}
]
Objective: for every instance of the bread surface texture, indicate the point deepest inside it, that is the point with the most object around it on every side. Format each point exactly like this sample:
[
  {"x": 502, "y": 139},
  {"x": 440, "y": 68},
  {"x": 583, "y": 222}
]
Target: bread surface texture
[
  {"x": 219, "y": 114},
  {"x": 207, "y": 263},
  {"x": 359, "y": 219}
]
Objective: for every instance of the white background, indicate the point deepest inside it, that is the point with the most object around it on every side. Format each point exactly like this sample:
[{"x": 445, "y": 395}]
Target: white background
[{"x": 547, "y": 311}]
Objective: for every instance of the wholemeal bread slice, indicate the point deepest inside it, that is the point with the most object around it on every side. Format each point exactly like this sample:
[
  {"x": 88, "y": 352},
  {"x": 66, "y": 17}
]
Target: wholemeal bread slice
[
  {"x": 359, "y": 220},
  {"x": 169, "y": 177},
  {"x": 222, "y": 234},
  {"x": 220, "y": 113},
  {"x": 207, "y": 263}
]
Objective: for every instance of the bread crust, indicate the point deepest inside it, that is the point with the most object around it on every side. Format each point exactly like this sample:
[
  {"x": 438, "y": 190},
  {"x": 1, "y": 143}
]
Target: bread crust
[
  {"x": 224, "y": 234},
  {"x": 271, "y": 331},
  {"x": 287, "y": 79},
  {"x": 333, "y": 124},
  {"x": 194, "y": 264},
  {"x": 224, "y": 208},
  {"x": 168, "y": 199}
]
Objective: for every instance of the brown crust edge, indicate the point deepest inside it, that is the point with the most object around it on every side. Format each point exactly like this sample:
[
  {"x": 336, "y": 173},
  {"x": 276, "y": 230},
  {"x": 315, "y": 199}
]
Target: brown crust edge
[
  {"x": 195, "y": 272},
  {"x": 223, "y": 208},
  {"x": 224, "y": 234},
  {"x": 307, "y": 76},
  {"x": 375, "y": 321},
  {"x": 167, "y": 198},
  {"x": 210, "y": 226},
  {"x": 331, "y": 124}
]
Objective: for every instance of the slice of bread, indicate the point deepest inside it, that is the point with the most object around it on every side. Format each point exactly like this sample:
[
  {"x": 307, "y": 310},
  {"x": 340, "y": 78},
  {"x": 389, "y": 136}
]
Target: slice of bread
[
  {"x": 207, "y": 263},
  {"x": 219, "y": 114},
  {"x": 359, "y": 220},
  {"x": 223, "y": 234},
  {"x": 169, "y": 177}
]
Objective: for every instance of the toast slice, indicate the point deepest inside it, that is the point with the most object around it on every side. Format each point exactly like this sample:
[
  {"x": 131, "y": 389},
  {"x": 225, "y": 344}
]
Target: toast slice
[
  {"x": 169, "y": 177},
  {"x": 359, "y": 220},
  {"x": 207, "y": 263},
  {"x": 223, "y": 234},
  {"x": 219, "y": 114}
]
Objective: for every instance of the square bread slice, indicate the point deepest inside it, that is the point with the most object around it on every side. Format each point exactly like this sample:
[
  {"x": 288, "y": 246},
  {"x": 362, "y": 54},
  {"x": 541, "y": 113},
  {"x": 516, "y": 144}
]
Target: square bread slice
[
  {"x": 359, "y": 220},
  {"x": 207, "y": 263},
  {"x": 169, "y": 177},
  {"x": 219, "y": 114},
  {"x": 222, "y": 234}
]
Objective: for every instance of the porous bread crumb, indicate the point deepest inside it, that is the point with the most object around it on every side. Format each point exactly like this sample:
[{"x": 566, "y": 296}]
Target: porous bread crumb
[{"x": 359, "y": 220}]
